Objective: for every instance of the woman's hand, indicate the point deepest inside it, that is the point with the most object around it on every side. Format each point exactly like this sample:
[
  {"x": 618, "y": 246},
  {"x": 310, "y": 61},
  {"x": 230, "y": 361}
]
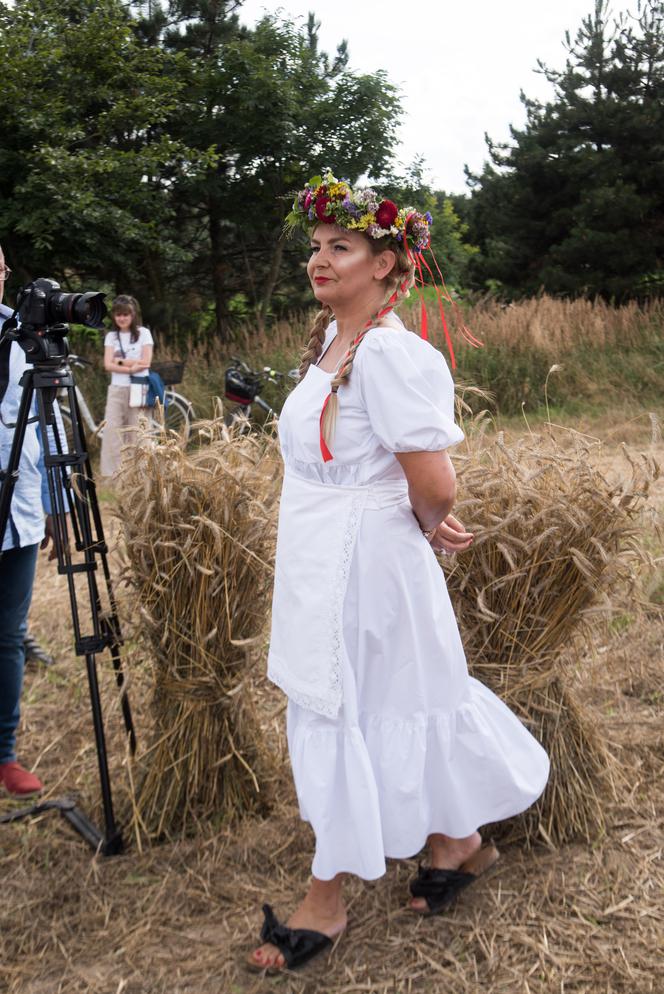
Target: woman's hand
[{"x": 451, "y": 536}]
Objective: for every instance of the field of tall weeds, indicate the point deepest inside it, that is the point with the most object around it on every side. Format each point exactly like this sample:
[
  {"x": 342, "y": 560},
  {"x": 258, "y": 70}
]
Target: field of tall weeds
[{"x": 580, "y": 356}]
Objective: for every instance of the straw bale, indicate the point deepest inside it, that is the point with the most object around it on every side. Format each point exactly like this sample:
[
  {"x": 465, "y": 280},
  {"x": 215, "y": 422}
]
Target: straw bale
[
  {"x": 554, "y": 539},
  {"x": 199, "y": 533}
]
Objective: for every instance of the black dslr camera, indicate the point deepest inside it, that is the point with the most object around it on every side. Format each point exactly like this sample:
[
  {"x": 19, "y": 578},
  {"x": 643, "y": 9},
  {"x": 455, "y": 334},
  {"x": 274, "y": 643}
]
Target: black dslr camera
[{"x": 39, "y": 322}]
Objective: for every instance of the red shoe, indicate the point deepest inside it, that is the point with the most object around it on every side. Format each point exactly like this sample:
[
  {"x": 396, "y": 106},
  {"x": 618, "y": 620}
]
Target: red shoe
[{"x": 18, "y": 781}]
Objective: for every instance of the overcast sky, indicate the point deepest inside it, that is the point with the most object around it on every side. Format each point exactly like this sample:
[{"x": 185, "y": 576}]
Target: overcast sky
[{"x": 460, "y": 65}]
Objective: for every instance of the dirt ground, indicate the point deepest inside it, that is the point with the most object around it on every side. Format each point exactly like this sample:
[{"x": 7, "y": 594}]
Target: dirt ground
[{"x": 180, "y": 917}]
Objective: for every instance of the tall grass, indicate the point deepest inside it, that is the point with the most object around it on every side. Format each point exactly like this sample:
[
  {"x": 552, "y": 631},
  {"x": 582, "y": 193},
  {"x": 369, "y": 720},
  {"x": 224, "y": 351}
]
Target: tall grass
[{"x": 605, "y": 355}]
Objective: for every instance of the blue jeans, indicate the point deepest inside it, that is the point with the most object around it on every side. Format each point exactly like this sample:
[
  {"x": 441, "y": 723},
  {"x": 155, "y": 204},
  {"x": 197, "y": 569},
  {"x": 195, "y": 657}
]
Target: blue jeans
[{"x": 17, "y": 575}]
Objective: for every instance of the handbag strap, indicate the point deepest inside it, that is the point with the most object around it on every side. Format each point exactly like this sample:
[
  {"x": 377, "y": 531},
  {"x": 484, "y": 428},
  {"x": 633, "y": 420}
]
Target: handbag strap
[{"x": 117, "y": 335}]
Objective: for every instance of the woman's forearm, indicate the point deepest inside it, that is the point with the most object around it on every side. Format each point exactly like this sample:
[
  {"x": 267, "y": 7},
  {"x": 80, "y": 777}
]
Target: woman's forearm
[
  {"x": 124, "y": 366},
  {"x": 431, "y": 485},
  {"x": 430, "y": 509}
]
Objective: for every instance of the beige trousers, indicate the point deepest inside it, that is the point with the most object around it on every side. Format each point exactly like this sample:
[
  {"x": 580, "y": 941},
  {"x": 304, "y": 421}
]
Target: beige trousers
[{"x": 121, "y": 423}]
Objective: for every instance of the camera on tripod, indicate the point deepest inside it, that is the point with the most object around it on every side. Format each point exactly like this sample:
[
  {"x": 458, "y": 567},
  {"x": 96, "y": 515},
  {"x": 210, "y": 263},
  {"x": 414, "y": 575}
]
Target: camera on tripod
[
  {"x": 39, "y": 326},
  {"x": 43, "y": 311}
]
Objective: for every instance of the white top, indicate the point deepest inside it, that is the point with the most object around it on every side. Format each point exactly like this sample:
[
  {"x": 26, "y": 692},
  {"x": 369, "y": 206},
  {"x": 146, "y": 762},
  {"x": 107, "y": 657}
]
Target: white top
[
  {"x": 132, "y": 350},
  {"x": 398, "y": 398}
]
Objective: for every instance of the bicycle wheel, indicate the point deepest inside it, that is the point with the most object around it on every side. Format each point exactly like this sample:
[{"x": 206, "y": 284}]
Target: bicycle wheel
[
  {"x": 93, "y": 437},
  {"x": 178, "y": 413}
]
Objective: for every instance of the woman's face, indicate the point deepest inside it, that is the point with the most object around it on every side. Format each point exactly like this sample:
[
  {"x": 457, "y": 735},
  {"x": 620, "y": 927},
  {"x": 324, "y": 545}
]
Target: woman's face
[
  {"x": 342, "y": 268},
  {"x": 123, "y": 319}
]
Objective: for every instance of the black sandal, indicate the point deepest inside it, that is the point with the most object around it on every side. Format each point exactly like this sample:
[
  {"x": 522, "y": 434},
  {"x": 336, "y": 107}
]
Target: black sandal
[
  {"x": 439, "y": 888},
  {"x": 296, "y": 945}
]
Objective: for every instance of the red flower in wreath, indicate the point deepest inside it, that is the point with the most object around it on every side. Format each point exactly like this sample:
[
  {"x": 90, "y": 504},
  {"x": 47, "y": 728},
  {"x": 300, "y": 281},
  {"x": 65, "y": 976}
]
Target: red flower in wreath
[
  {"x": 322, "y": 200},
  {"x": 386, "y": 214}
]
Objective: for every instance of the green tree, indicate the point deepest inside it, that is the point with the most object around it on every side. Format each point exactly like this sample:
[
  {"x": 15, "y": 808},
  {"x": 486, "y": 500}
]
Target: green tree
[
  {"x": 448, "y": 231},
  {"x": 575, "y": 204},
  {"x": 86, "y": 164},
  {"x": 273, "y": 108}
]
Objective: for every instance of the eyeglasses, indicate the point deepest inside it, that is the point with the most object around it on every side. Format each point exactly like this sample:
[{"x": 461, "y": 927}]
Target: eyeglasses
[{"x": 5, "y": 273}]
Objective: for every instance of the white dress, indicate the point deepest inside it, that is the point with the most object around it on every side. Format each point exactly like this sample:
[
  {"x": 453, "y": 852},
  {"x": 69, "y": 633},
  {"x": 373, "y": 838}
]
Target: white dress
[{"x": 389, "y": 737}]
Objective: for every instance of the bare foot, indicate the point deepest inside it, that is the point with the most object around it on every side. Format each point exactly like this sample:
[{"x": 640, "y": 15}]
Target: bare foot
[
  {"x": 447, "y": 854},
  {"x": 321, "y": 910}
]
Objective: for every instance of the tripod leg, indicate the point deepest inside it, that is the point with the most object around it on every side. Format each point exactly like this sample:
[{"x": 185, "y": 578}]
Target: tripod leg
[
  {"x": 109, "y": 620},
  {"x": 73, "y": 493},
  {"x": 112, "y": 838}
]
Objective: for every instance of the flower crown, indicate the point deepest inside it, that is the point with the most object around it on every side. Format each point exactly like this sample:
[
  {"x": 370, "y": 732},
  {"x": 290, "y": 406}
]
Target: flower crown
[{"x": 327, "y": 200}]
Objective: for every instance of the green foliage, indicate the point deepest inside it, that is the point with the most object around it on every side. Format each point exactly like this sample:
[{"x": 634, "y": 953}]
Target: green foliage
[
  {"x": 157, "y": 155},
  {"x": 85, "y": 161},
  {"x": 448, "y": 230},
  {"x": 274, "y": 109},
  {"x": 575, "y": 204},
  {"x": 589, "y": 378}
]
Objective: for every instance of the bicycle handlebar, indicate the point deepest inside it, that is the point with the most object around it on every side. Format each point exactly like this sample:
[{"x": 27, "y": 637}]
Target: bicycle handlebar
[{"x": 266, "y": 373}]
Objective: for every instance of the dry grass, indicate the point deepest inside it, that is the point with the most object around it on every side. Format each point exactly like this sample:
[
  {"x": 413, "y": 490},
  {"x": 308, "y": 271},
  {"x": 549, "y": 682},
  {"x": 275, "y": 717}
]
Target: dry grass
[
  {"x": 178, "y": 918},
  {"x": 607, "y": 355},
  {"x": 555, "y": 326},
  {"x": 554, "y": 540},
  {"x": 199, "y": 534}
]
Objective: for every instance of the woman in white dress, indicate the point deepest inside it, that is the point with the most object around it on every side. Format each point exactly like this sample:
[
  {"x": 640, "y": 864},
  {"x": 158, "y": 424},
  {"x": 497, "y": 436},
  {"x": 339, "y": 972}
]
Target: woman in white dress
[{"x": 392, "y": 744}]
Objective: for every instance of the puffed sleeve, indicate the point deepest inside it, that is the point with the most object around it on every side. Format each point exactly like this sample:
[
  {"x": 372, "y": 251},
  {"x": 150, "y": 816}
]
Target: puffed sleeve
[{"x": 408, "y": 392}]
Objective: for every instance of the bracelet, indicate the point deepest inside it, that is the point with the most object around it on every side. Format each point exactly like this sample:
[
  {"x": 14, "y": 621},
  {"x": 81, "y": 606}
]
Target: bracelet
[{"x": 427, "y": 532}]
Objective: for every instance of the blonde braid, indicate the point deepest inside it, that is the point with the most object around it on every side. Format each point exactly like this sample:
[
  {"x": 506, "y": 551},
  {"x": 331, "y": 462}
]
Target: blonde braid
[
  {"x": 316, "y": 340},
  {"x": 404, "y": 279}
]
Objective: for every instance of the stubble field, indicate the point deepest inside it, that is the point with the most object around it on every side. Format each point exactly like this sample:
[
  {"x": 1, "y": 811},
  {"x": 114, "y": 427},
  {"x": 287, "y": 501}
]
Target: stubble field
[{"x": 180, "y": 917}]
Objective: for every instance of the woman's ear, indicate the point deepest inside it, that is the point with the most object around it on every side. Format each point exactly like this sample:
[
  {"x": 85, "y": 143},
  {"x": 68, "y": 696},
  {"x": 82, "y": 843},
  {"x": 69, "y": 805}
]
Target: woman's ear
[{"x": 385, "y": 263}]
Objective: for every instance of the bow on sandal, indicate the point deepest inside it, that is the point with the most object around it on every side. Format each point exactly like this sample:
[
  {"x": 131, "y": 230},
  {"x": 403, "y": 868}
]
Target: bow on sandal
[
  {"x": 439, "y": 888},
  {"x": 296, "y": 945}
]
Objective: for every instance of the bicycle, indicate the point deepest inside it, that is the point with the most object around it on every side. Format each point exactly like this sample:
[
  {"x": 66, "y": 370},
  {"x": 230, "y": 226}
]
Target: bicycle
[
  {"x": 178, "y": 412},
  {"x": 242, "y": 387}
]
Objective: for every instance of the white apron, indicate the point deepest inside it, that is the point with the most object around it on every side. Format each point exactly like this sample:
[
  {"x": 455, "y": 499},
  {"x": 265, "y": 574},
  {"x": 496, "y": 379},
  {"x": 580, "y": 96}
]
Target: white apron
[{"x": 318, "y": 525}]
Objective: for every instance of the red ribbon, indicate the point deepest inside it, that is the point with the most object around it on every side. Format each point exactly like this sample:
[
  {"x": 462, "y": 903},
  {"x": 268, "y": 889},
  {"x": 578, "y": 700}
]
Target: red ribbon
[
  {"x": 325, "y": 452},
  {"x": 442, "y": 313},
  {"x": 465, "y": 331}
]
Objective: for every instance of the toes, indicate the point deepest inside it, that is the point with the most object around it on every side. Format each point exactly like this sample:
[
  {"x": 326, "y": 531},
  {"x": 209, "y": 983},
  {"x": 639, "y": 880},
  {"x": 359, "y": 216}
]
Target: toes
[
  {"x": 418, "y": 904},
  {"x": 266, "y": 958}
]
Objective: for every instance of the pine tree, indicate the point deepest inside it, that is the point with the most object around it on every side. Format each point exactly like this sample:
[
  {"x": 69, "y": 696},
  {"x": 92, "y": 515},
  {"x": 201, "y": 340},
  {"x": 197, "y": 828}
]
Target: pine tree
[{"x": 575, "y": 204}]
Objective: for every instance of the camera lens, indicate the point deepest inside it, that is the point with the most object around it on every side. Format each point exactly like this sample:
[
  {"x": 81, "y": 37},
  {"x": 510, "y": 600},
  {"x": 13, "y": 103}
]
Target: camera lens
[
  {"x": 89, "y": 309},
  {"x": 81, "y": 308}
]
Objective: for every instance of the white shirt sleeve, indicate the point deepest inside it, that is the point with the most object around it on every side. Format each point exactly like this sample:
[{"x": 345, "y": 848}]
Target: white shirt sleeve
[
  {"x": 408, "y": 391},
  {"x": 145, "y": 337}
]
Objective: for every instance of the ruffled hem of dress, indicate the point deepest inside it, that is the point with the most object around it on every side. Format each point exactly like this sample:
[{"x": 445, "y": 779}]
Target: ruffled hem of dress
[{"x": 377, "y": 789}]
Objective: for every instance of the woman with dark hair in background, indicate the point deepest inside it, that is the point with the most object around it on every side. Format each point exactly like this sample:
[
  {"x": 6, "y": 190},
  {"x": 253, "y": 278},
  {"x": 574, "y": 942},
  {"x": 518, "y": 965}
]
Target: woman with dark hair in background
[{"x": 127, "y": 352}]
